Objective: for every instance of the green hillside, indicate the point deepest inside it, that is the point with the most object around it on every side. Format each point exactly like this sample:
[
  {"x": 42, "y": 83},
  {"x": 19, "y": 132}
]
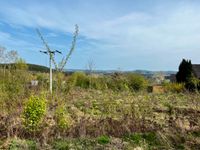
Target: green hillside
[{"x": 31, "y": 67}]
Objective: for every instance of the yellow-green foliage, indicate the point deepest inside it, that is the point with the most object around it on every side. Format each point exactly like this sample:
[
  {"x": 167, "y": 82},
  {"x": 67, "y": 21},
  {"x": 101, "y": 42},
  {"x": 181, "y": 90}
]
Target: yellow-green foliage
[
  {"x": 118, "y": 83},
  {"x": 21, "y": 64},
  {"x": 114, "y": 82},
  {"x": 34, "y": 112},
  {"x": 98, "y": 83},
  {"x": 60, "y": 81},
  {"x": 18, "y": 144},
  {"x": 174, "y": 87},
  {"x": 137, "y": 82},
  {"x": 79, "y": 79},
  {"x": 192, "y": 84},
  {"x": 63, "y": 119}
]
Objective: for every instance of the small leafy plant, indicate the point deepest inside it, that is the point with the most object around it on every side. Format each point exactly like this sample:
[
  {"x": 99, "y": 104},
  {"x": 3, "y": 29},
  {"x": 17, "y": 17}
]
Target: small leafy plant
[
  {"x": 63, "y": 119},
  {"x": 103, "y": 139},
  {"x": 33, "y": 113}
]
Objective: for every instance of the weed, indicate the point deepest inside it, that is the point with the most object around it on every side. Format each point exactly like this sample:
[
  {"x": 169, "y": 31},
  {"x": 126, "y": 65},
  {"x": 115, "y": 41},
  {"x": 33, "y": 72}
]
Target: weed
[{"x": 103, "y": 139}]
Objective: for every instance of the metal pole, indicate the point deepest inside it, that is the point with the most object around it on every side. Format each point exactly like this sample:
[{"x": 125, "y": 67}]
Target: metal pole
[
  {"x": 50, "y": 53},
  {"x": 50, "y": 74}
]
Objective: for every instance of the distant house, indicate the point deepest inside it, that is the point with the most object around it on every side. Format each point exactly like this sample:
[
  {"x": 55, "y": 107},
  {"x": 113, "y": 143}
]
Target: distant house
[
  {"x": 196, "y": 70},
  {"x": 156, "y": 89}
]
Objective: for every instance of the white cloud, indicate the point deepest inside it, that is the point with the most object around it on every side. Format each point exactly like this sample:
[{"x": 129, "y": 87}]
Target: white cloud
[{"x": 136, "y": 32}]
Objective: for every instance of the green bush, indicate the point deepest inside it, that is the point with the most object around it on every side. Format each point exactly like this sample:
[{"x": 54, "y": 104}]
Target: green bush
[
  {"x": 63, "y": 119},
  {"x": 137, "y": 82},
  {"x": 98, "y": 83},
  {"x": 79, "y": 79},
  {"x": 34, "y": 112},
  {"x": 192, "y": 84},
  {"x": 118, "y": 83},
  {"x": 174, "y": 87}
]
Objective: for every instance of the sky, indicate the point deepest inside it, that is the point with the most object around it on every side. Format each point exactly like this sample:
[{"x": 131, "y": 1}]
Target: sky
[{"x": 114, "y": 34}]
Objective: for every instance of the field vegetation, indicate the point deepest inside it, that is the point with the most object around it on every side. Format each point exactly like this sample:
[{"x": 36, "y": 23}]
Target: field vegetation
[{"x": 94, "y": 112}]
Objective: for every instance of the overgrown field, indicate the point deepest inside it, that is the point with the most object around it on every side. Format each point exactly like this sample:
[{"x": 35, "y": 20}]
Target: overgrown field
[{"x": 95, "y": 113}]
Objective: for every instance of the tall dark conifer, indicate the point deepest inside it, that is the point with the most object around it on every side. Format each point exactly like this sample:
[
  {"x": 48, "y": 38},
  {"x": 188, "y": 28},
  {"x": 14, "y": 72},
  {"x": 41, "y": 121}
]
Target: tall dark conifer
[{"x": 185, "y": 71}]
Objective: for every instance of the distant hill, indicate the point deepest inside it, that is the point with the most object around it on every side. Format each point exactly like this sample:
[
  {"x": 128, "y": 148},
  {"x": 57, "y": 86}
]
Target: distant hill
[
  {"x": 31, "y": 67},
  {"x": 143, "y": 72},
  {"x": 40, "y": 68}
]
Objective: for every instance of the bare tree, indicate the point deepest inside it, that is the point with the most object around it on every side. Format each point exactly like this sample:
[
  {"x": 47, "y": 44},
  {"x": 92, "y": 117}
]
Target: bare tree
[
  {"x": 48, "y": 48},
  {"x": 7, "y": 57},
  {"x": 12, "y": 56},
  {"x": 51, "y": 54},
  {"x": 65, "y": 59},
  {"x": 60, "y": 66},
  {"x": 2, "y": 54},
  {"x": 90, "y": 66}
]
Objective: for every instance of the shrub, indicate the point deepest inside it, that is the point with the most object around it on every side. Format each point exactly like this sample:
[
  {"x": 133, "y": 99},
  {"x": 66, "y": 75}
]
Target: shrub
[
  {"x": 118, "y": 83},
  {"x": 21, "y": 64},
  {"x": 98, "y": 83},
  {"x": 137, "y": 82},
  {"x": 63, "y": 119},
  {"x": 192, "y": 84},
  {"x": 174, "y": 87},
  {"x": 115, "y": 82},
  {"x": 33, "y": 113},
  {"x": 79, "y": 79}
]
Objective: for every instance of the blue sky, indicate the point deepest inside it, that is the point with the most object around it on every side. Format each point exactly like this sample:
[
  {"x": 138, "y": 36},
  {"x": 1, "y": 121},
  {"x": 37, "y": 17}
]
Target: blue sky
[{"x": 115, "y": 34}]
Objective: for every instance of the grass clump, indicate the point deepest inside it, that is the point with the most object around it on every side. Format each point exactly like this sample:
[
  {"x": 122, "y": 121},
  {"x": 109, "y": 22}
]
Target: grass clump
[
  {"x": 61, "y": 145},
  {"x": 76, "y": 144},
  {"x": 136, "y": 138},
  {"x": 18, "y": 144},
  {"x": 104, "y": 139},
  {"x": 196, "y": 133},
  {"x": 139, "y": 139}
]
